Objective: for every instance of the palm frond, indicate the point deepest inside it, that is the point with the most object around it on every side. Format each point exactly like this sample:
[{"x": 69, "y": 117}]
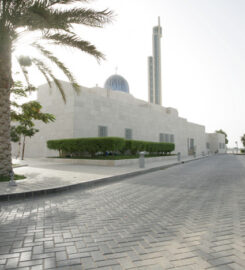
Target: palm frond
[
  {"x": 42, "y": 66},
  {"x": 39, "y": 16},
  {"x": 45, "y": 75},
  {"x": 64, "y": 2},
  {"x": 73, "y": 41},
  {"x": 59, "y": 64},
  {"x": 83, "y": 16}
]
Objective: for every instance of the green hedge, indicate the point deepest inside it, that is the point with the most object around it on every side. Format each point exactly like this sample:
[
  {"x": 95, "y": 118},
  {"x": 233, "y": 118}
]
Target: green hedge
[
  {"x": 89, "y": 145},
  {"x": 79, "y": 146},
  {"x": 151, "y": 147}
]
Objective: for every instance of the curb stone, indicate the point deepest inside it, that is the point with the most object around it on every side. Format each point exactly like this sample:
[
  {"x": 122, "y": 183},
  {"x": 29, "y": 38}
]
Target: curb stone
[{"x": 89, "y": 184}]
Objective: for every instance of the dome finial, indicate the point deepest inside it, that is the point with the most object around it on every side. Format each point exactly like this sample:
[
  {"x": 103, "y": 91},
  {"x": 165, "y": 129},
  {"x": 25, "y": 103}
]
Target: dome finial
[{"x": 116, "y": 69}]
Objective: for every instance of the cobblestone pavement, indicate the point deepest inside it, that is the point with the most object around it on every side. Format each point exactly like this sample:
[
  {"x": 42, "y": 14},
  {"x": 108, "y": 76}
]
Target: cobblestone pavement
[
  {"x": 42, "y": 174},
  {"x": 187, "y": 217}
]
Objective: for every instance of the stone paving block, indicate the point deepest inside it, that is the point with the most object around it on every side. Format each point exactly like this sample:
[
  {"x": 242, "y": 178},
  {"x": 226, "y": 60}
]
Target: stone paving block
[
  {"x": 30, "y": 263},
  {"x": 25, "y": 256},
  {"x": 38, "y": 250},
  {"x": 116, "y": 267},
  {"x": 43, "y": 256},
  {"x": 79, "y": 255},
  {"x": 11, "y": 255},
  {"x": 106, "y": 263},
  {"x": 117, "y": 255},
  {"x": 49, "y": 263},
  {"x": 12, "y": 263},
  {"x": 235, "y": 266},
  {"x": 5, "y": 249},
  {"x": 71, "y": 250},
  {"x": 37, "y": 267},
  {"x": 221, "y": 261},
  {"x": 97, "y": 256}
]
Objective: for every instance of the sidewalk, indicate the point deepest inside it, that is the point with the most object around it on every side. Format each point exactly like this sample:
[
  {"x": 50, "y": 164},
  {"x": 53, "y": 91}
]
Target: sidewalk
[{"x": 45, "y": 177}]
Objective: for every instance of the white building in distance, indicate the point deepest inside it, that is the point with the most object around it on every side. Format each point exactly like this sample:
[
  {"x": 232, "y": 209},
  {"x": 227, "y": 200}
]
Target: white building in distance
[{"x": 113, "y": 111}]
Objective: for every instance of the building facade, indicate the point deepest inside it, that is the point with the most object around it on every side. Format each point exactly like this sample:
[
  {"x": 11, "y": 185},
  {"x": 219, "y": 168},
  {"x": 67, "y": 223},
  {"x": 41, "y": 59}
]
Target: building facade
[
  {"x": 99, "y": 112},
  {"x": 215, "y": 143}
]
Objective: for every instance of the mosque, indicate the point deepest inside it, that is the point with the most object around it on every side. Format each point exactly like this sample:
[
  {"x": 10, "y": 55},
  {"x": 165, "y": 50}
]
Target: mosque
[{"x": 113, "y": 111}]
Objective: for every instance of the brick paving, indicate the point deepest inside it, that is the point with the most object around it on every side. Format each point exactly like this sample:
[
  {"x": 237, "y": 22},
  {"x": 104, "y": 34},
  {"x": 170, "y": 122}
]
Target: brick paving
[
  {"x": 191, "y": 216},
  {"x": 45, "y": 175}
]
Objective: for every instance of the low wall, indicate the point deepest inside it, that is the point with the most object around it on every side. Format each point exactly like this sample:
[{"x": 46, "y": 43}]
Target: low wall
[{"x": 100, "y": 162}]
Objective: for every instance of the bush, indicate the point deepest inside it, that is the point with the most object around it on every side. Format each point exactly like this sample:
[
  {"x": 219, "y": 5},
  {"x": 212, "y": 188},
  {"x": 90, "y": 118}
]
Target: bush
[
  {"x": 80, "y": 146},
  {"x": 86, "y": 145},
  {"x": 150, "y": 147},
  {"x": 243, "y": 151}
]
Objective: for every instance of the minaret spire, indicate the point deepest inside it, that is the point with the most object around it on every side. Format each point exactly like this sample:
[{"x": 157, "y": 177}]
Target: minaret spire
[{"x": 154, "y": 67}]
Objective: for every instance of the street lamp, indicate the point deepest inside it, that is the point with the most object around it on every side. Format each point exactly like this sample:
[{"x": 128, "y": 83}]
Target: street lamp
[{"x": 236, "y": 146}]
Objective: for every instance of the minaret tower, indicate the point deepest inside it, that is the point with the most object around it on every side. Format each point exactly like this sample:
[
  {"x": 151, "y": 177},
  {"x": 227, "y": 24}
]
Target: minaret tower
[{"x": 154, "y": 67}]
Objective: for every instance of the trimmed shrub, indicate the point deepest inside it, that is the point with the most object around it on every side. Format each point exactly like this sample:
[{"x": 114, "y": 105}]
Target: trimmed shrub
[
  {"x": 151, "y": 147},
  {"x": 80, "y": 146}
]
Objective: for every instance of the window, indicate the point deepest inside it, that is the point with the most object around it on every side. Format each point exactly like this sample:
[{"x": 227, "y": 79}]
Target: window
[
  {"x": 161, "y": 137},
  {"x": 167, "y": 138},
  {"x": 221, "y": 145},
  {"x": 191, "y": 146},
  {"x": 102, "y": 131},
  {"x": 128, "y": 134},
  {"x": 191, "y": 143},
  {"x": 172, "y": 138}
]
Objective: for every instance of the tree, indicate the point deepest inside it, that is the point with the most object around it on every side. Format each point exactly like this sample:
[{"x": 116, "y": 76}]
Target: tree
[
  {"x": 25, "y": 114},
  {"x": 222, "y": 132},
  {"x": 243, "y": 140},
  {"x": 30, "y": 111},
  {"x": 53, "y": 20}
]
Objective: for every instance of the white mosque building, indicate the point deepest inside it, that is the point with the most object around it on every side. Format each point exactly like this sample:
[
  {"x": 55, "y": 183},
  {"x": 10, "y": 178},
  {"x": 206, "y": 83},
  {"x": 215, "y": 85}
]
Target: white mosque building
[{"x": 113, "y": 111}]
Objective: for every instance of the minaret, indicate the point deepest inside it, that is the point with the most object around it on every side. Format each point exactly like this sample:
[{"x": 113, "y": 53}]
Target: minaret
[
  {"x": 151, "y": 94},
  {"x": 154, "y": 67}
]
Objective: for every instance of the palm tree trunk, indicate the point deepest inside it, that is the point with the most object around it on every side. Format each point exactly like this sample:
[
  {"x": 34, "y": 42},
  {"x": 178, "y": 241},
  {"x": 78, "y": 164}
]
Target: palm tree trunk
[
  {"x": 5, "y": 84},
  {"x": 5, "y": 145}
]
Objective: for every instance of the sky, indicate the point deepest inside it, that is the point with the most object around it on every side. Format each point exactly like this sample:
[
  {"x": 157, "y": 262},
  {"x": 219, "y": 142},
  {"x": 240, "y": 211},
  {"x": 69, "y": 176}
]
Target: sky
[{"x": 203, "y": 57}]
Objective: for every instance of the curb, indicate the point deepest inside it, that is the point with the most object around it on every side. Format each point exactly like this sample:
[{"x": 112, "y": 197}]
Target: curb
[
  {"x": 90, "y": 184},
  {"x": 20, "y": 165}
]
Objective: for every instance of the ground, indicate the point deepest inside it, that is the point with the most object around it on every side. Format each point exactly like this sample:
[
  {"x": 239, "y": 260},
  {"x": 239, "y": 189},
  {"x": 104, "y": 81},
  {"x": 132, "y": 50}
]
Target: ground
[{"x": 190, "y": 216}]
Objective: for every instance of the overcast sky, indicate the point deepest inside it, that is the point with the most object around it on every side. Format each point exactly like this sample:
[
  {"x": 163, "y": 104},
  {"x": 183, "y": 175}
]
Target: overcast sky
[{"x": 203, "y": 57}]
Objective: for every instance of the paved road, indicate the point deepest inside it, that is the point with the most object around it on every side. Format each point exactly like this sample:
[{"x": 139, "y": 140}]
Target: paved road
[{"x": 190, "y": 216}]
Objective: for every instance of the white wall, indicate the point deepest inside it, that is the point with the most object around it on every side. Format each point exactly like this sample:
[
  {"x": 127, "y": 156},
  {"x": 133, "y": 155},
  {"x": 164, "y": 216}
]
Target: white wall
[
  {"x": 63, "y": 127},
  {"x": 214, "y": 140},
  {"x": 82, "y": 114}
]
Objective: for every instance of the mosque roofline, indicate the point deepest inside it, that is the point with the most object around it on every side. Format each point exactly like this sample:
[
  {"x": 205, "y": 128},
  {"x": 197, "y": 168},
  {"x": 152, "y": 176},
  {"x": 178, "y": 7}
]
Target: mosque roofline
[{"x": 129, "y": 96}]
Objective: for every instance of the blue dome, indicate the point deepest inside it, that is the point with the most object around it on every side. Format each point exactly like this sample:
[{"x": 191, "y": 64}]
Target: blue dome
[{"x": 117, "y": 83}]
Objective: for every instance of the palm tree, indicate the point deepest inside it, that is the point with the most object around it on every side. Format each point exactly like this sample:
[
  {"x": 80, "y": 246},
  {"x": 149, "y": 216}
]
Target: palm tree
[{"x": 53, "y": 21}]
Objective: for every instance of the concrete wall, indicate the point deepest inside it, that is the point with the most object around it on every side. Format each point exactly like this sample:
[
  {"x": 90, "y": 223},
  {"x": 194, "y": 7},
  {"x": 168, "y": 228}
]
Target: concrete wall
[
  {"x": 83, "y": 113},
  {"x": 216, "y": 143},
  {"x": 118, "y": 111}
]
